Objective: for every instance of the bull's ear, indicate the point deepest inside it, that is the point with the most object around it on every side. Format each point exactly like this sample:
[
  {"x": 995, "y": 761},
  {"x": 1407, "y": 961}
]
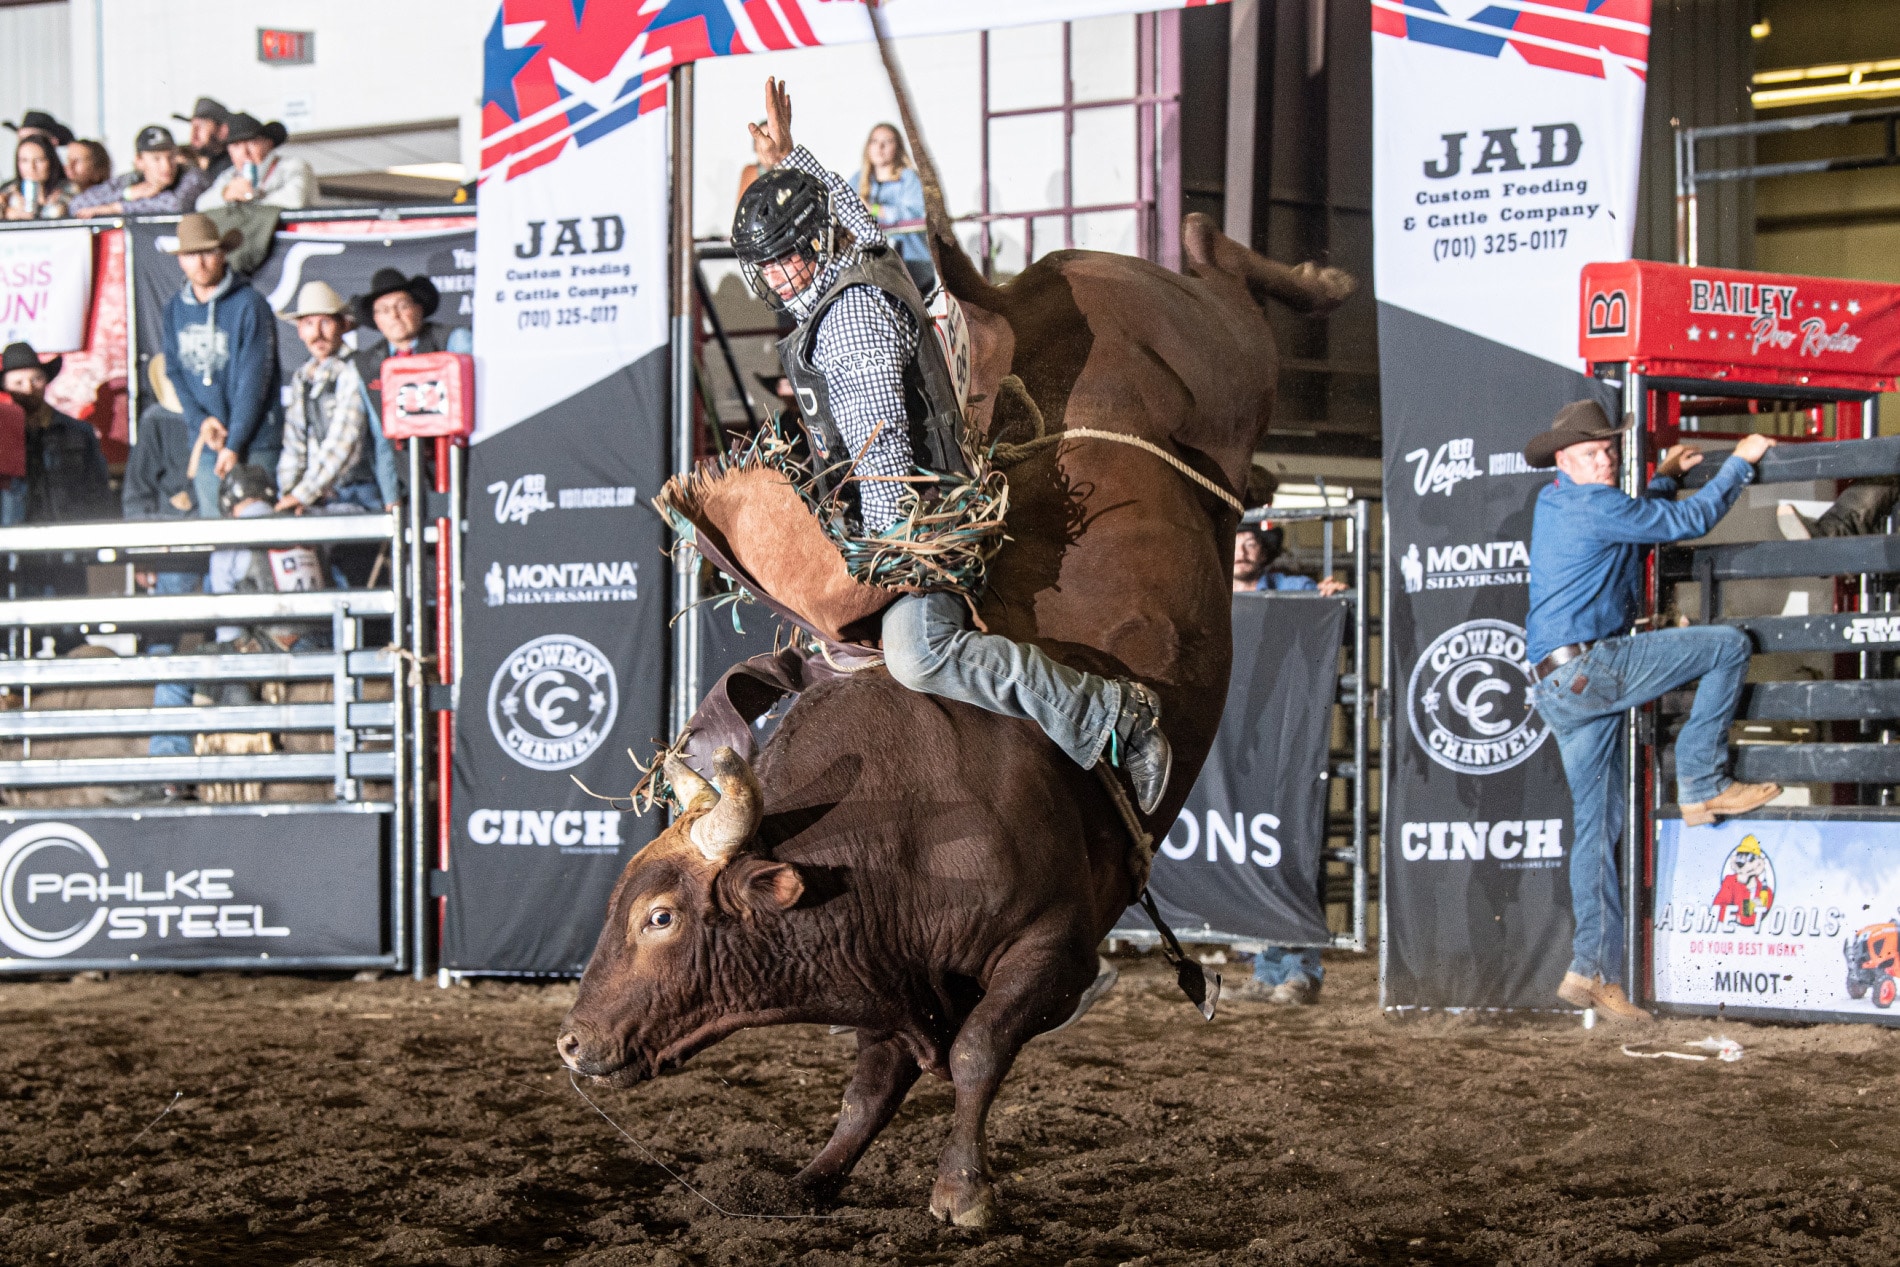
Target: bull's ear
[{"x": 764, "y": 887}]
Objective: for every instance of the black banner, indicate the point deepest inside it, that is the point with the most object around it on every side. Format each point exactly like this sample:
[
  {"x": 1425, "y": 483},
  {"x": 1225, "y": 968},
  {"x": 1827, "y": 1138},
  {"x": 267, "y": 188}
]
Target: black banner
[
  {"x": 565, "y": 669},
  {"x": 345, "y": 260},
  {"x": 1477, "y": 812},
  {"x": 252, "y": 887},
  {"x": 1243, "y": 857}
]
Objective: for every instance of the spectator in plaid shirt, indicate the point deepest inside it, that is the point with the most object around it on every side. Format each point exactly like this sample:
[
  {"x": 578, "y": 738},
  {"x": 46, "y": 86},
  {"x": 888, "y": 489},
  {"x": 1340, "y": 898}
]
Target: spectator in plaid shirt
[{"x": 327, "y": 463}]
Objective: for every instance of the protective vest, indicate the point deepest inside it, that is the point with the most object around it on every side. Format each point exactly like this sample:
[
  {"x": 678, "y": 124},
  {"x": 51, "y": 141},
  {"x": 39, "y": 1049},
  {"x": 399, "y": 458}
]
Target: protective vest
[{"x": 930, "y": 394}]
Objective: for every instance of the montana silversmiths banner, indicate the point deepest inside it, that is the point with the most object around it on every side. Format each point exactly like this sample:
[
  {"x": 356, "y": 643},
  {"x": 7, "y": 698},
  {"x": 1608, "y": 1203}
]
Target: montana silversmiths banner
[
  {"x": 160, "y": 889},
  {"x": 1777, "y": 917},
  {"x": 1243, "y": 856},
  {"x": 564, "y": 624},
  {"x": 1506, "y": 149}
]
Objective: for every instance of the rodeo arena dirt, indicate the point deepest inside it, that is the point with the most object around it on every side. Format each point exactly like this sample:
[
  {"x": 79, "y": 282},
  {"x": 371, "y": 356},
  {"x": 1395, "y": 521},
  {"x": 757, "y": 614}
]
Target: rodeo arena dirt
[{"x": 974, "y": 703}]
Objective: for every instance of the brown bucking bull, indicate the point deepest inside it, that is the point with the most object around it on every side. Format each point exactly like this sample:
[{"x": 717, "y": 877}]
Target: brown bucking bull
[{"x": 932, "y": 874}]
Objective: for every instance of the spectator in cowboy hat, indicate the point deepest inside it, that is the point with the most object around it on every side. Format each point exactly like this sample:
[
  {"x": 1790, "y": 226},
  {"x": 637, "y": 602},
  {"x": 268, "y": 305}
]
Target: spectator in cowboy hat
[
  {"x": 39, "y": 189},
  {"x": 258, "y": 173},
  {"x": 163, "y": 184},
  {"x": 328, "y": 462},
  {"x": 41, "y": 123},
  {"x": 210, "y": 125},
  {"x": 220, "y": 343},
  {"x": 399, "y": 307},
  {"x": 66, "y": 479},
  {"x": 1588, "y": 671}
]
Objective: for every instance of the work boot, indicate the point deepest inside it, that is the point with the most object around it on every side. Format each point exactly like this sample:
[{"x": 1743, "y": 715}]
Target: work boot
[
  {"x": 1736, "y": 798},
  {"x": 1143, "y": 751},
  {"x": 1605, "y": 996}
]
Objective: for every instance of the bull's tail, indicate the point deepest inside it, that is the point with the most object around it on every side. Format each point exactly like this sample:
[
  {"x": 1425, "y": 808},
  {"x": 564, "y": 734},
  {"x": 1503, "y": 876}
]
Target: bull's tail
[
  {"x": 1308, "y": 288},
  {"x": 959, "y": 273}
]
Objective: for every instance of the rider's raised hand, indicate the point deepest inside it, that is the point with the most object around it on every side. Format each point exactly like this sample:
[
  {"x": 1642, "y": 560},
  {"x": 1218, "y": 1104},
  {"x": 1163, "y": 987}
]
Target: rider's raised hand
[{"x": 774, "y": 141}]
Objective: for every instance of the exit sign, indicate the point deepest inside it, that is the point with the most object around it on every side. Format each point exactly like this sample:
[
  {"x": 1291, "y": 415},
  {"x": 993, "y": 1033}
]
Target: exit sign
[{"x": 286, "y": 48}]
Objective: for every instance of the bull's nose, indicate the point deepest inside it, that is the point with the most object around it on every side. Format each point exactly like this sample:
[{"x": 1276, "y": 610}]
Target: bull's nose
[{"x": 569, "y": 1045}]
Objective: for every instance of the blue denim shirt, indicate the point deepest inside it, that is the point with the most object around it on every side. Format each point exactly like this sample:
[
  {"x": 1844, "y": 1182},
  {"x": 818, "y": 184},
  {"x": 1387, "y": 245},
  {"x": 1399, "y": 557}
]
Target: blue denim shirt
[{"x": 1585, "y": 574}]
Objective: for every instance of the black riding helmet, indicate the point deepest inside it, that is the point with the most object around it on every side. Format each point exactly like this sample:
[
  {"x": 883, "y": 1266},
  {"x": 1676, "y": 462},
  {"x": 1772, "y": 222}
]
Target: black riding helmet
[
  {"x": 245, "y": 482},
  {"x": 784, "y": 212}
]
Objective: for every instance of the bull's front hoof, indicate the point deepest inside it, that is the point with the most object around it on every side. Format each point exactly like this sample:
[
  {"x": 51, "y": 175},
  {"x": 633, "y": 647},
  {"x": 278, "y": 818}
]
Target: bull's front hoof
[
  {"x": 965, "y": 1200},
  {"x": 1329, "y": 286}
]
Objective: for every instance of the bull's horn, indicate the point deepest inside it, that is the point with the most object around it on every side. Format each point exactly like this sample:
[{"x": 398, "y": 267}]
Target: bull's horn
[
  {"x": 688, "y": 788},
  {"x": 721, "y": 833}
]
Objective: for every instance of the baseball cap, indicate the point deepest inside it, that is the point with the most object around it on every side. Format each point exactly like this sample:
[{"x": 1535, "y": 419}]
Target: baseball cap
[{"x": 152, "y": 138}]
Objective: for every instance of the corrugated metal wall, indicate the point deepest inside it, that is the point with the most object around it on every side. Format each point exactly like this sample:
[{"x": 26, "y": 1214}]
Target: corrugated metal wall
[
  {"x": 1700, "y": 61},
  {"x": 35, "y": 61}
]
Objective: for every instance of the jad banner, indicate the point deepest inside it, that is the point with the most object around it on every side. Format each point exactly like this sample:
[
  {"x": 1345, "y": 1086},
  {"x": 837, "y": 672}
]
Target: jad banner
[
  {"x": 342, "y": 254},
  {"x": 45, "y": 287},
  {"x": 158, "y": 889},
  {"x": 564, "y": 631},
  {"x": 1771, "y": 916},
  {"x": 1243, "y": 857},
  {"x": 1506, "y": 148}
]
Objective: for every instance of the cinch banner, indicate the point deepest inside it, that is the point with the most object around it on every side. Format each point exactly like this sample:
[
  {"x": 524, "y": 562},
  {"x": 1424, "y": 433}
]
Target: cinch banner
[
  {"x": 45, "y": 286},
  {"x": 1243, "y": 856},
  {"x": 1506, "y": 144},
  {"x": 158, "y": 889},
  {"x": 1771, "y": 917}
]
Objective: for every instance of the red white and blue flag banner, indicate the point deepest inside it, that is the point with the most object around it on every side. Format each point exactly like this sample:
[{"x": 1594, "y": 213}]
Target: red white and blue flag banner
[{"x": 1506, "y": 135}]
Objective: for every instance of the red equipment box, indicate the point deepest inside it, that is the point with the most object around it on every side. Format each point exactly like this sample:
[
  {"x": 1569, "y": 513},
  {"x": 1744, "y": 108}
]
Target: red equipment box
[
  {"x": 1679, "y": 321},
  {"x": 429, "y": 395}
]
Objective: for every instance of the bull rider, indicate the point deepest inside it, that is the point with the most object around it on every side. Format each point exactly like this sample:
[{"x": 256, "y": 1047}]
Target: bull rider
[
  {"x": 1586, "y": 577},
  {"x": 870, "y": 378}
]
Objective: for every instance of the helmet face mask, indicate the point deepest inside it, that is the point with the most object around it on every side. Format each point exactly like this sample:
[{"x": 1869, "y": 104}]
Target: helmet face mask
[{"x": 783, "y": 219}]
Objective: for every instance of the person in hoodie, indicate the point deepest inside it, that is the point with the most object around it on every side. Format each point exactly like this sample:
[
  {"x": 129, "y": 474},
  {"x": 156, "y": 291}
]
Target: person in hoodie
[{"x": 221, "y": 351}]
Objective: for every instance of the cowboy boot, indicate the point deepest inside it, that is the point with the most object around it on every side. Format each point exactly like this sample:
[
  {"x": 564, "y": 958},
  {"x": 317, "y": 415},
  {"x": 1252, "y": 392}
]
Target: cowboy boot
[{"x": 1143, "y": 751}]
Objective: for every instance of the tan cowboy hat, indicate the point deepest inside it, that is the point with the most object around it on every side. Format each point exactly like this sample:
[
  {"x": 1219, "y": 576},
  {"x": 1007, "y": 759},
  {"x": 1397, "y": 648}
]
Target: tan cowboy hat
[
  {"x": 161, "y": 382},
  {"x": 198, "y": 232},
  {"x": 1576, "y": 422},
  {"x": 318, "y": 299}
]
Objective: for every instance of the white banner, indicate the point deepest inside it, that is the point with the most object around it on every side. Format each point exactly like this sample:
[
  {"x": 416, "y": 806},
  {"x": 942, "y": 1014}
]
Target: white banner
[
  {"x": 45, "y": 288},
  {"x": 1791, "y": 916},
  {"x": 1506, "y": 146},
  {"x": 570, "y": 272}
]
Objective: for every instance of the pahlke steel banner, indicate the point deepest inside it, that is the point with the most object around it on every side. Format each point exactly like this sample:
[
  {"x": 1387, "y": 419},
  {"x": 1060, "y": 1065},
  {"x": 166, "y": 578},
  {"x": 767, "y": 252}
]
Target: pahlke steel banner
[{"x": 1506, "y": 141}]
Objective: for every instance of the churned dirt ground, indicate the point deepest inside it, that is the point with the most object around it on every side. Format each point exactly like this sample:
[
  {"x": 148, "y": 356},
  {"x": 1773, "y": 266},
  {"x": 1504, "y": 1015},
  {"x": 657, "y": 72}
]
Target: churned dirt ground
[{"x": 321, "y": 1122}]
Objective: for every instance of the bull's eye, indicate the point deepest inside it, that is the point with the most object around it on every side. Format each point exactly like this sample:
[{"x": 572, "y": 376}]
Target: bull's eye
[{"x": 660, "y": 918}]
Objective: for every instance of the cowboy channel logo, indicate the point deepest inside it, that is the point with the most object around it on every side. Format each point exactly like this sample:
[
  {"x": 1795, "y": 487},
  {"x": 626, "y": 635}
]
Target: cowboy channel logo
[
  {"x": 1469, "y": 699},
  {"x": 553, "y": 701},
  {"x": 57, "y": 893}
]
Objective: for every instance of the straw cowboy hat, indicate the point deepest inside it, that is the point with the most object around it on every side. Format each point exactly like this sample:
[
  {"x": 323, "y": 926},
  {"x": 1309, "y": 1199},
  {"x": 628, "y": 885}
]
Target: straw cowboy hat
[
  {"x": 1576, "y": 422},
  {"x": 197, "y": 232},
  {"x": 317, "y": 299},
  {"x": 21, "y": 356}
]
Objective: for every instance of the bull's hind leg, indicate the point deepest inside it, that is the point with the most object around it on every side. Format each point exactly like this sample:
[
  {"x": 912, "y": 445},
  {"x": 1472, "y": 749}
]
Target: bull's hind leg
[
  {"x": 884, "y": 1075},
  {"x": 1033, "y": 988}
]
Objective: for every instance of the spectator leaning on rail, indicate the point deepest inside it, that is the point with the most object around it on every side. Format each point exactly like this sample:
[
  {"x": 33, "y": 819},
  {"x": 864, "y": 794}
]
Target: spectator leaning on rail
[
  {"x": 258, "y": 173},
  {"x": 161, "y": 185},
  {"x": 87, "y": 165},
  {"x": 66, "y": 478},
  {"x": 894, "y": 193},
  {"x": 1256, "y": 548},
  {"x": 1586, "y": 574},
  {"x": 399, "y": 307},
  {"x": 39, "y": 189},
  {"x": 327, "y": 463},
  {"x": 221, "y": 349},
  {"x": 210, "y": 125}
]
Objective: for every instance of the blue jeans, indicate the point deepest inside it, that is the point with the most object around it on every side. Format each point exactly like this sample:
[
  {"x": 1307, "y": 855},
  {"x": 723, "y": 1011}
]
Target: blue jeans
[
  {"x": 929, "y": 647},
  {"x": 1277, "y": 965},
  {"x": 171, "y": 694},
  {"x": 1584, "y": 702}
]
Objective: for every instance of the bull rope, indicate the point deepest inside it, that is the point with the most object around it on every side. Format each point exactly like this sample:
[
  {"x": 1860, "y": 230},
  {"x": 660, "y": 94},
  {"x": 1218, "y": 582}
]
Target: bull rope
[{"x": 1010, "y": 454}]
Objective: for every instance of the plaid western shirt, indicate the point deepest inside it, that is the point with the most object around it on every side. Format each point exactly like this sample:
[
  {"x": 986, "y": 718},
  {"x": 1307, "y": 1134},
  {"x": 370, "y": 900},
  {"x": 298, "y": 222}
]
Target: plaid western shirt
[
  {"x": 326, "y": 430},
  {"x": 862, "y": 346}
]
